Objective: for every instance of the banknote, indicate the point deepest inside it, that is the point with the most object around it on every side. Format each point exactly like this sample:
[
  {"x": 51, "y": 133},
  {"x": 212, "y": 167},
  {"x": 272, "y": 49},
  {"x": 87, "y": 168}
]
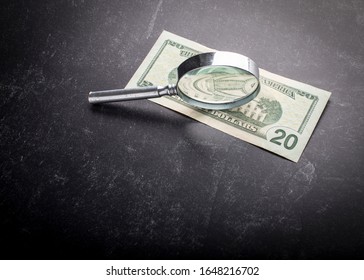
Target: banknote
[{"x": 280, "y": 119}]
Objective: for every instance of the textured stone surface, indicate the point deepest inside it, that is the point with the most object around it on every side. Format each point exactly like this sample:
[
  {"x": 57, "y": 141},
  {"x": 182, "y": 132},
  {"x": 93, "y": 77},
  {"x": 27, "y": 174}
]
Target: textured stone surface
[{"x": 135, "y": 180}]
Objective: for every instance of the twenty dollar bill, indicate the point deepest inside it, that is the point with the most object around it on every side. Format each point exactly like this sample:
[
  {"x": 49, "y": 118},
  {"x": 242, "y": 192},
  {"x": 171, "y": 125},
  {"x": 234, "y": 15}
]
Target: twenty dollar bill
[{"x": 280, "y": 119}]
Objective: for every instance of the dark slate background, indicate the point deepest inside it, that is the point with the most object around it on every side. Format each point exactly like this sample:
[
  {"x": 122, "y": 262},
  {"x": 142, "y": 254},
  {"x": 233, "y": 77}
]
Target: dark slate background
[{"x": 138, "y": 181}]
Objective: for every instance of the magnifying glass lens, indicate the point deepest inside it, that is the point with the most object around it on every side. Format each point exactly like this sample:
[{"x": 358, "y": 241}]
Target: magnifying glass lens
[{"x": 217, "y": 84}]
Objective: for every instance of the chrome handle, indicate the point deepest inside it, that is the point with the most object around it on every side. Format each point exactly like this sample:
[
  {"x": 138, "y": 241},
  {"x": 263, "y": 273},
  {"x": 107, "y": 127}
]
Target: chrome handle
[{"x": 115, "y": 95}]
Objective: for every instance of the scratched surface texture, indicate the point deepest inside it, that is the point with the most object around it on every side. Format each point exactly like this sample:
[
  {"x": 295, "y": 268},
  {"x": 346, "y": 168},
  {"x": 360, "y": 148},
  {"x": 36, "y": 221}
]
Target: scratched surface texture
[{"x": 138, "y": 181}]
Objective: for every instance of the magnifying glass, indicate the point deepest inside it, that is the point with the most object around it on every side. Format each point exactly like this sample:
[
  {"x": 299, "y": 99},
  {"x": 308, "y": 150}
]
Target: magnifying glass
[{"x": 213, "y": 80}]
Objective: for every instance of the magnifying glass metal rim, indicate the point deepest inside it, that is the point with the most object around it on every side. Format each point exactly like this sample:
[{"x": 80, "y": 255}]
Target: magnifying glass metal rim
[{"x": 217, "y": 58}]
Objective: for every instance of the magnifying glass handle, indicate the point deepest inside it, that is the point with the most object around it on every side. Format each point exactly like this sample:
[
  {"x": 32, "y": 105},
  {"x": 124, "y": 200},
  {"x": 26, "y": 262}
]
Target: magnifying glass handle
[{"x": 115, "y": 95}]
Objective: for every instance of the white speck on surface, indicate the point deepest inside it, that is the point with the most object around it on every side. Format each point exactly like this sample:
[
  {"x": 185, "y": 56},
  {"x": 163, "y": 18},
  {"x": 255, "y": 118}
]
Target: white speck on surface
[
  {"x": 307, "y": 172},
  {"x": 154, "y": 17}
]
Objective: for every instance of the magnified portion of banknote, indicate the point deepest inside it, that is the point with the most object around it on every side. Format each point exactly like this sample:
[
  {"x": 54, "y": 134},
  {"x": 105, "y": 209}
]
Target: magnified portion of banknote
[{"x": 280, "y": 119}]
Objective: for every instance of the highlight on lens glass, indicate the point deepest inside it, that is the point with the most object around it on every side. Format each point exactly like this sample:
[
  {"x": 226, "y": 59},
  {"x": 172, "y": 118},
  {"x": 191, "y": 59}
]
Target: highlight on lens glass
[
  {"x": 214, "y": 80},
  {"x": 217, "y": 84}
]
